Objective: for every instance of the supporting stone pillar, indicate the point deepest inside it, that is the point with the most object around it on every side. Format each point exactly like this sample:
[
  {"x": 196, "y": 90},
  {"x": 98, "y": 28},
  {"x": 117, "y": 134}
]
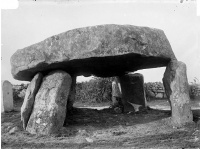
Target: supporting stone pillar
[
  {"x": 133, "y": 93},
  {"x": 27, "y": 106},
  {"x": 72, "y": 94},
  {"x": 6, "y": 96},
  {"x": 49, "y": 110},
  {"x": 177, "y": 90},
  {"x": 116, "y": 92},
  {"x": 71, "y": 99}
]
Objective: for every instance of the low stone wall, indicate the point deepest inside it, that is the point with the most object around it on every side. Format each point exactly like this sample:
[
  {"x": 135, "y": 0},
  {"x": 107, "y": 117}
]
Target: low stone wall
[{"x": 155, "y": 90}]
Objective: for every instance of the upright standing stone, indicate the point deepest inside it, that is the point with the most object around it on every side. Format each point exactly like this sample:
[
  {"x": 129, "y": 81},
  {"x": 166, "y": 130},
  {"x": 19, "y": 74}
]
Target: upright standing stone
[
  {"x": 177, "y": 90},
  {"x": 6, "y": 96},
  {"x": 132, "y": 91},
  {"x": 71, "y": 98},
  {"x": 29, "y": 99},
  {"x": 50, "y": 104},
  {"x": 116, "y": 92}
]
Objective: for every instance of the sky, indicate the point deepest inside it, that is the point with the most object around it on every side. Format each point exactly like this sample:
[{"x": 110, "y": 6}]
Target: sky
[{"x": 34, "y": 21}]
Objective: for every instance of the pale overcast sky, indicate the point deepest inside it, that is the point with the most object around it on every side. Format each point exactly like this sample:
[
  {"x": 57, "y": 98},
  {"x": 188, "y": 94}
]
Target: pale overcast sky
[{"x": 35, "y": 21}]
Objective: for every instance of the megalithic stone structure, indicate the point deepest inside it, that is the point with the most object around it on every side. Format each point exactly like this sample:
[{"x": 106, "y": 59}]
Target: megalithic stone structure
[
  {"x": 71, "y": 98},
  {"x": 29, "y": 100},
  {"x": 116, "y": 92},
  {"x": 6, "y": 96},
  {"x": 132, "y": 91},
  {"x": 49, "y": 110},
  {"x": 103, "y": 51},
  {"x": 177, "y": 90}
]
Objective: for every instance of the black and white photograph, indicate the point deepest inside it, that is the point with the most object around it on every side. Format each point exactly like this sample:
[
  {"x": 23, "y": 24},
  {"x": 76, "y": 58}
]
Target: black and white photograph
[{"x": 100, "y": 74}]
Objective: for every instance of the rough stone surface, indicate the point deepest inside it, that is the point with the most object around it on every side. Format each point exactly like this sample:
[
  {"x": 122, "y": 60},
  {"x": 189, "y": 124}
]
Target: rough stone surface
[
  {"x": 29, "y": 99},
  {"x": 6, "y": 96},
  {"x": 177, "y": 91},
  {"x": 159, "y": 95},
  {"x": 155, "y": 90},
  {"x": 132, "y": 86},
  {"x": 116, "y": 92},
  {"x": 116, "y": 88},
  {"x": 71, "y": 98},
  {"x": 104, "y": 51},
  {"x": 50, "y": 104}
]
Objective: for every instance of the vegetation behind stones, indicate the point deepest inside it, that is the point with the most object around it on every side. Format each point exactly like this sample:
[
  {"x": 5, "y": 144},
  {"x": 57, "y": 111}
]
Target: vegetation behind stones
[
  {"x": 96, "y": 90},
  {"x": 195, "y": 89},
  {"x": 99, "y": 90},
  {"x": 19, "y": 91}
]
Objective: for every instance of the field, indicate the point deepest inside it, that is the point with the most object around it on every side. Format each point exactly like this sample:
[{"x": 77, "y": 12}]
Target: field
[{"x": 102, "y": 128}]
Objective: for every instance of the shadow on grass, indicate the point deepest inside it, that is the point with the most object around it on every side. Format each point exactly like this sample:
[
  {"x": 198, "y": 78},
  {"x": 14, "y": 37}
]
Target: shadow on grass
[
  {"x": 85, "y": 118},
  {"x": 92, "y": 120},
  {"x": 107, "y": 118},
  {"x": 99, "y": 119}
]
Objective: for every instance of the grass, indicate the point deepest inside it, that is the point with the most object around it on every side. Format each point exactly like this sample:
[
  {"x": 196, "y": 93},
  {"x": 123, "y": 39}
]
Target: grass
[{"x": 91, "y": 128}]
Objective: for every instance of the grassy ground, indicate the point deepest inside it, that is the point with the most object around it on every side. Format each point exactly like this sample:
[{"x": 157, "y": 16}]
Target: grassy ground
[{"x": 91, "y": 128}]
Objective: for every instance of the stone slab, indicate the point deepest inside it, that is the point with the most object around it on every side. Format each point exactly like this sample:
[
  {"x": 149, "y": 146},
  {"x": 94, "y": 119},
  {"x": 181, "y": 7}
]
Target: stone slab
[
  {"x": 103, "y": 50},
  {"x": 177, "y": 90},
  {"x": 27, "y": 106},
  {"x": 49, "y": 110},
  {"x": 132, "y": 86},
  {"x": 6, "y": 96}
]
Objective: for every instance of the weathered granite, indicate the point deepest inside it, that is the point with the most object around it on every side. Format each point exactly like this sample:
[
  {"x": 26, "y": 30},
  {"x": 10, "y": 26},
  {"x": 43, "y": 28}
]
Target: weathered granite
[
  {"x": 133, "y": 93},
  {"x": 116, "y": 92},
  {"x": 6, "y": 96},
  {"x": 50, "y": 105},
  {"x": 31, "y": 91},
  {"x": 177, "y": 90},
  {"x": 72, "y": 94},
  {"x": 104, "y": 50}
]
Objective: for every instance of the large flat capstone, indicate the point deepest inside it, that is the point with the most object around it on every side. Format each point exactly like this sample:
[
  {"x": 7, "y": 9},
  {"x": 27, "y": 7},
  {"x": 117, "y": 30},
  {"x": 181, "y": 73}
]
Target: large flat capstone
[{"x": 104, "y": 50}]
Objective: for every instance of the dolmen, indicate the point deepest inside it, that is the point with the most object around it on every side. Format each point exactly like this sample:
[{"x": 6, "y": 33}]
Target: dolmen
[{"x": 52, "y": 66}]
